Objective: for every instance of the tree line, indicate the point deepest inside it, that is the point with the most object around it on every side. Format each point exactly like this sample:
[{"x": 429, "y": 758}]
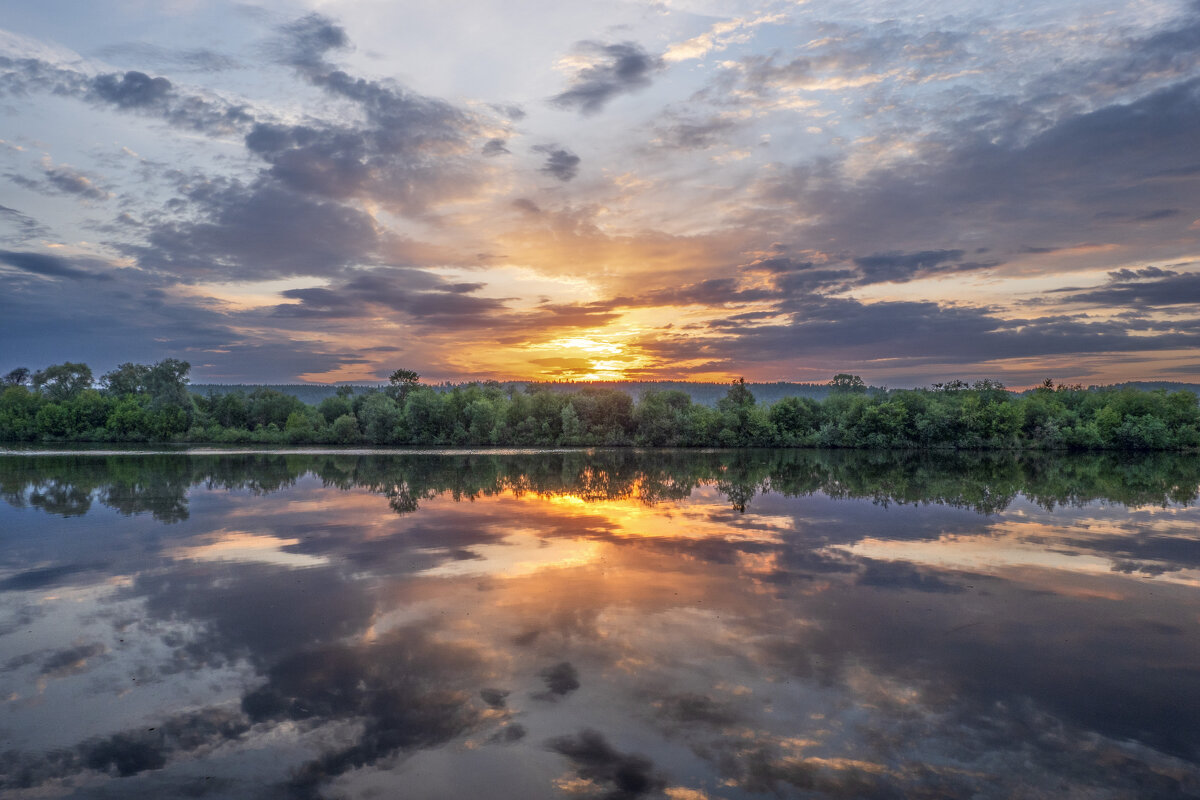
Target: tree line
[{"x": 152, "y": 403}]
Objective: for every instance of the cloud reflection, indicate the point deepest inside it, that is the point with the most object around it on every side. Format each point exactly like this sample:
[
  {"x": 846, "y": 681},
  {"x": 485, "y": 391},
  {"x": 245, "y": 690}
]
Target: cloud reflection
[{"x": 859, "y": 629}]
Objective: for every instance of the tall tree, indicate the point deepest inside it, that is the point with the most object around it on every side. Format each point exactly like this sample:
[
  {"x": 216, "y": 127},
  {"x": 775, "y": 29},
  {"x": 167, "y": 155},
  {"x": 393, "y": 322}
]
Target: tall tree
[
  {"x": 63, "y": 381},
  {"x": 16, "y": 377},
  {"x": 845, "y": 382},
  {"x": 128, "y": 378},
  {"x": 402, "y": 382}
]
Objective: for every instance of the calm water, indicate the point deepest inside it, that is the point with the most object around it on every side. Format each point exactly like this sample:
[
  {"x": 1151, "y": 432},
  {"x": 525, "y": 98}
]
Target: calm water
[{"x": 682, "y": 625}]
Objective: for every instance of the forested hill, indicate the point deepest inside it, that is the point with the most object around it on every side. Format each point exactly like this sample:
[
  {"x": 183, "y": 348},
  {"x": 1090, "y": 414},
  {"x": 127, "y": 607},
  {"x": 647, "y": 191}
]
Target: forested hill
[{"x": 706, "y": 394}]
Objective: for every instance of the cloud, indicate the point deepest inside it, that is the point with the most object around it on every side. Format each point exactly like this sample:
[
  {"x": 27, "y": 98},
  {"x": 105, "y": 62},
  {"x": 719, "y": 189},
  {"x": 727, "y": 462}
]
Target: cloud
[
  {"x": 845, "y": 331},
  {"x": 1003, "y": 188},
  {"x": 896, "y": 266},
  {"x": 847, "y": 57},
  {"x": 71, "y": 660},
  {"x": 45, "y": 577},
  {"x": 26, "y": 226},
  {"x": 678, "y": 132},
  {"x": 411, "y": 151},
  {"x": 68, "y": 180},
  {"x": 560, "y": 163},
  {"x": 1150, "y": 287},
  {"x": 495, "y": 147},
  {"x": 405, "y": 691},
  {"x": 305, "y": 42},
  {"x": 132, "y": 91},
  {"x": 690, "y": 709},
  {"x": 194, "y": 60},
  {"x": 898, "y": 575},
  {"x": 257, "y": 232},
  {"x": 717, "y": 38},
  {"x": 417, "y": 294},
  {"x": 51, "y": 266},
  {"x": 603, "y": 71},
  {"x": 561, "y": 679},
  {"x": 626, "y": 775}
]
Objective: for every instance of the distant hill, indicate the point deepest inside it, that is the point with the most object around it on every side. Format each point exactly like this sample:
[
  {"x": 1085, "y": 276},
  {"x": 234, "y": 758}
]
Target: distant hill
[
  {"x": 311, "y": 393},
  {"x": 1146, "y": 386},
  {"x": 1170, "y": 386},
  {"x": 704, "y": 393}
]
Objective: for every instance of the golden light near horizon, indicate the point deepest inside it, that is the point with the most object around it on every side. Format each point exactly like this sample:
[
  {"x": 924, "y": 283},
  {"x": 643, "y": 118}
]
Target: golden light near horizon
[{"x": 594, "y": 356}]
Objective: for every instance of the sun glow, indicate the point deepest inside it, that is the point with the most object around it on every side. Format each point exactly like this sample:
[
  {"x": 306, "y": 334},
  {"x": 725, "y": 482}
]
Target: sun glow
[{"x": 593, "y": 356}]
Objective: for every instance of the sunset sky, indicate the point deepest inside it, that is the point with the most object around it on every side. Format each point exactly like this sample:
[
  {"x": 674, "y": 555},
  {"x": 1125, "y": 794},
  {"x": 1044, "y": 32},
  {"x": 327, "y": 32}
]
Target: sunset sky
[{"x": 682, "y": 189}]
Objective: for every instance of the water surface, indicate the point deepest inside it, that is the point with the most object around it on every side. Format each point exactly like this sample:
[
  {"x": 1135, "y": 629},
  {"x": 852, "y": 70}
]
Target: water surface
[{"x": 611, "y": 624}]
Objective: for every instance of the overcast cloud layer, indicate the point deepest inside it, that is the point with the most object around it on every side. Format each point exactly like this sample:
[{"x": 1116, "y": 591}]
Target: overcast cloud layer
[{"x": 909, "y": 191}]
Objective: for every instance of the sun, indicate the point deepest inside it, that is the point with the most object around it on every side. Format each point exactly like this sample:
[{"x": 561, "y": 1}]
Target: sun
[{"x": 592, "y": 356}]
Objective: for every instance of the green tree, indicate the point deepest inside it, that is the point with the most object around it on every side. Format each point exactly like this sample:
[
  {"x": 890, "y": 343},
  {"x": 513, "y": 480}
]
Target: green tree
[
  {"x": 127, "y": 378},
  {"x": 845, "y": 382},
  {"x": 63, "y": 381},
  {"x": 345, "y": 429},
  {"x": 572, "y": 429},
  {"x": 333, "y": 407},
  {"x": 16, "y": 377},
  {"x": 379, "y": 417},
  {"x": 18, "y": 412},
  {"x": 402, "y": 381},
  {"x": 299, "y": 428}
]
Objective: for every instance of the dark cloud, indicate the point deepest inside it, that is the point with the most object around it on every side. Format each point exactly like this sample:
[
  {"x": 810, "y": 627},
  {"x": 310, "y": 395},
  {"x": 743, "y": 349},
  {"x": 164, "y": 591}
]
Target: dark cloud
[
  {"x": 495, "y": 147},
  {"x": 132, "y": 90},
  {"x": 415, "y": 293},
  {"x": 26, "y": 226},
  {"x": 847, "y": 331},
  {"x": 560, "y": 163},
  {"x": 1150, "y": 287},
  {"x": 1127, "y": 274},
  {"x": 126, "y": 753},
  {"x": 45, "y": 577},
  {"x": 50, "y": 266},
  {"x": 625, "y": 775},
  {"x": 512, "y": 112},
  {"x": 898, "y": 267},
  {"x": 1007, "y": 184},
  {"x": 526, "y": 205},
  {"x": 412, "y": 151},
  {"x": 71, "y": 181},
  {"x": 612, "y": 69},
  {"x": 406, "y": 156},
  {"x": 258, "y": 231},
  {"x": 305, "y": 42},
  {"x": 561, "y": 679},
  {"x": 690, "y": 708},
  {"x": 513, "y": 732},
  {"x": 403, "y": 690},
  {"x": 678, "y": 133},
  {"x": 902, "y": 576},
  {"x": 71, "y": 660},
  {"x": 130, "y": 318}
]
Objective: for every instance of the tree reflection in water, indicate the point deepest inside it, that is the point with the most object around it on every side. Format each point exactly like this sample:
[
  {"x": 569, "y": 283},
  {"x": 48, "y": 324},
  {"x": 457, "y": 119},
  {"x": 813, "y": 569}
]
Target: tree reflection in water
[{"x": 609, "y": 624}]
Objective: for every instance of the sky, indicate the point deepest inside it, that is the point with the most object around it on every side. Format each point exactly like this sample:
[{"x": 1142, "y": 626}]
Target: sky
[{"x": 678, "y": 189}]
